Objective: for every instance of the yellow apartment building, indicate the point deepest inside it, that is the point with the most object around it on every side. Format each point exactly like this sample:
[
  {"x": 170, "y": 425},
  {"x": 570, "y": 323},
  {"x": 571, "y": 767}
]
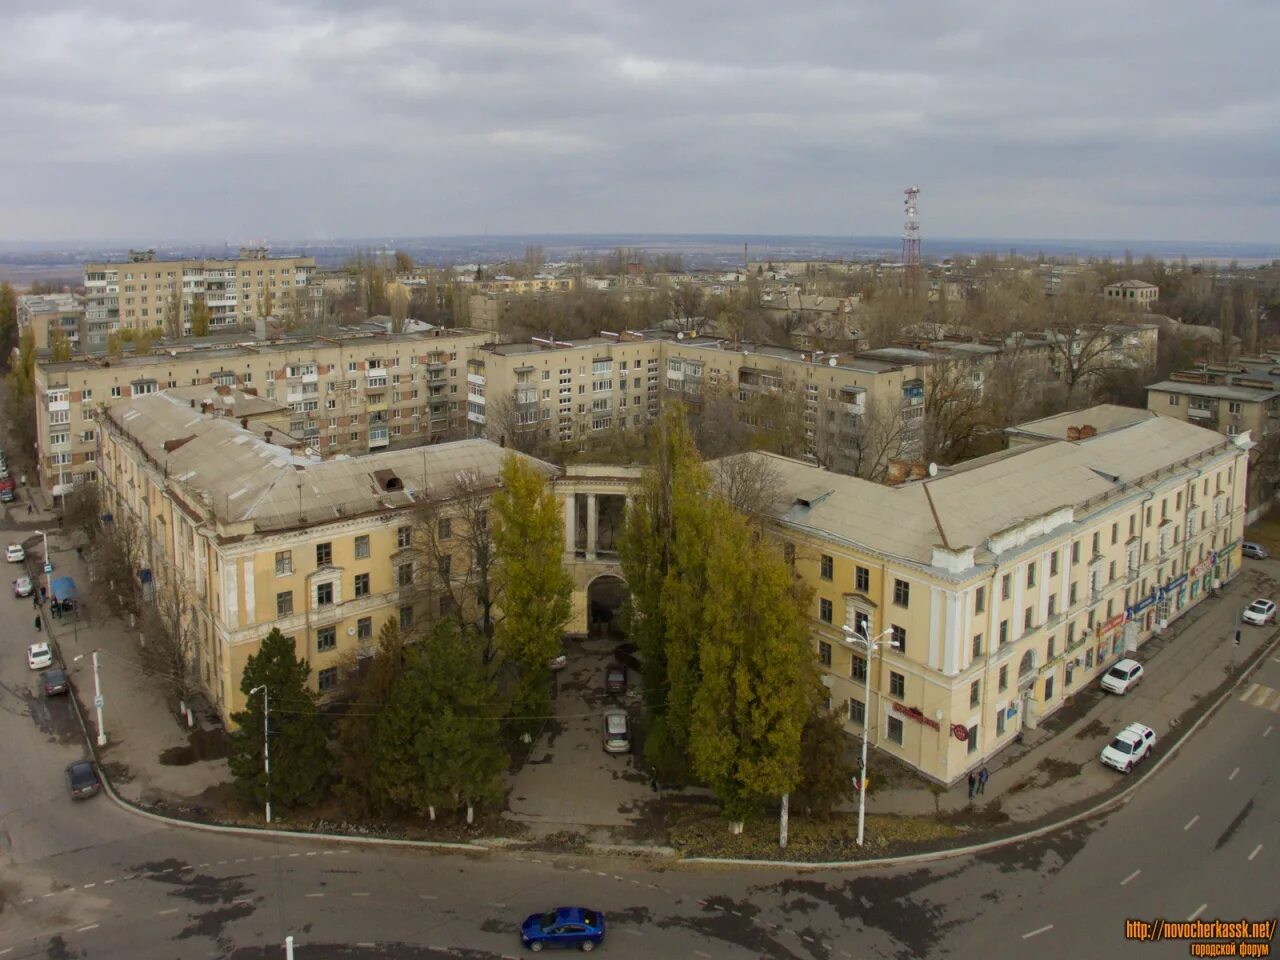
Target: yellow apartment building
[
  {"x": 348, "y": 393},
  {"x": 1004, "y": 585},
  {"x": 49, "y": 314},
  {"x": 259, "y": 536}
]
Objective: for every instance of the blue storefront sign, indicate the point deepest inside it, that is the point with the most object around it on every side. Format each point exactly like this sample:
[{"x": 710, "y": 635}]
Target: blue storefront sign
[
  {"x": 1175, "y": 583},
  {"x": 1141, "y": 605}
]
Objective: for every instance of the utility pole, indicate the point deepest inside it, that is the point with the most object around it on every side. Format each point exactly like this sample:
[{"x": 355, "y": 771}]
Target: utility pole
[
  {"x": 266, "y": 741},
  {"x": 98, "y": 702},
  {"x": 852, "y": 637}
]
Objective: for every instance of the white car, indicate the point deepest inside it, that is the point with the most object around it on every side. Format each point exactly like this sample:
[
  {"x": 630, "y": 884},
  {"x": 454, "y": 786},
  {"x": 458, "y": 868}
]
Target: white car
[
  {"x": 1260, "y": 613},
  {"x": 39, "y": 656},
  {"x": 22, "y": 587},
  {"x": 14, "y": 553},
  {"x": 1130, "y": 747},
  {"x": 1123, "y": 676},
  {"x": 617, "y": 732}
]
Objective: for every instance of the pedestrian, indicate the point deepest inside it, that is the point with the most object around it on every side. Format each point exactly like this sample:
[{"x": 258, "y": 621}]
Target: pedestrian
[
  {"x": 35, "y": 599},
  {"x": 973, "y": 783},
  {"x": 37, "y": 623},
  {"x": 44, "y": 594},
  {"x": 983, "y": 777},
  {"x": 28, "y": 509}
]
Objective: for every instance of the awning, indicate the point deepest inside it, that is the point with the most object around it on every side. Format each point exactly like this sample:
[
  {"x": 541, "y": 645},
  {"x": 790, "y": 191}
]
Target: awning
[{"x": 64, "y": 588}]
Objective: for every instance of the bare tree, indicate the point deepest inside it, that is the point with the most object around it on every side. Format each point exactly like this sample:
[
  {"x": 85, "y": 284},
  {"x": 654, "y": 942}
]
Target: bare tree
[
  {"x": 956, "y": 415},
  {"x": 875, "y": 436},
  {"x": 116, "y": 558},
  {"x": 170, "y": 626},
  {"x": 749, "y": 483}
]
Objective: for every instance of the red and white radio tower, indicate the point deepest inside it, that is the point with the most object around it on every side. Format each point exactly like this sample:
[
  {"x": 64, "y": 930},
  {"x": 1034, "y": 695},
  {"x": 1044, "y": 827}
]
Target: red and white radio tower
[{"x": 911, "y": 230}]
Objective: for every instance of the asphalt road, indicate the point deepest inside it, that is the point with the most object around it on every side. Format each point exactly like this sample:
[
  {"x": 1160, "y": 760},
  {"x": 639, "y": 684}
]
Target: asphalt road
[{"x": 89, "y": 880}]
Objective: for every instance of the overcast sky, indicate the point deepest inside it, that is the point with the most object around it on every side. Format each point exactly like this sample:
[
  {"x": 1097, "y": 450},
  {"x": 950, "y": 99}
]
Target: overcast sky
[{"x": 242, "y": 119}]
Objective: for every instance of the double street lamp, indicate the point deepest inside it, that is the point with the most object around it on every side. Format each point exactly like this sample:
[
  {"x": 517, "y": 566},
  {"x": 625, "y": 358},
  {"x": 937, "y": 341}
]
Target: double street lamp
[
  {"x": 98, "y": 702},
  {"x": 266, "y": 741},
  {"x": 855, "y": 639}
]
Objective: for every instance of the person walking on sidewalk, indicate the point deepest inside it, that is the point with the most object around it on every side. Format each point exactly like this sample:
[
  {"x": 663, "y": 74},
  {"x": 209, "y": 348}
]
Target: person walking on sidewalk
[
  {"x": 983, "y": 777},
  {"x": 973, "y": 783},
  {"x": 37, "y": 623}
]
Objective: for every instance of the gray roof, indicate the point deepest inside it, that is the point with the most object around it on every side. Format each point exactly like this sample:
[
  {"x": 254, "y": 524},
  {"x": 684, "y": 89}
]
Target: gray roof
[
  {"x": 1103, "y": 418},
  {"x": 966, "y": 507},
  {"x": 243, "y": 478},
  {"x": 1216, "y": 391}
]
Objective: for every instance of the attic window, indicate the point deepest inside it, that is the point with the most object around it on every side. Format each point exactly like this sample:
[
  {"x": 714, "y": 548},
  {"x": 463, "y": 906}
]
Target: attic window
[
  {"x": 812, "y": 497},
  {"x": 388, "y": 481}
]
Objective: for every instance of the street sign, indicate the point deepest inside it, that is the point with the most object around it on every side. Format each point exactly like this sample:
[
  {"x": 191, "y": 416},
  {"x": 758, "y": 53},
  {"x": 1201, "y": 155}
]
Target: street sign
[
  {"x": 48, "y": 568},
  {"x": 98, "y": 701}
]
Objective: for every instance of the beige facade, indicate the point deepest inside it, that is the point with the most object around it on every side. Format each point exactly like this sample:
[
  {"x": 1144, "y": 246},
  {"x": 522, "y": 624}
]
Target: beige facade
[
  {"x": 255, "y": 536},
  {"x": 1002, "y": 587},
  {"x": 1228, "y": 399},
  {"x": 144, "y": 293},
  {"x": 346, "y": 394},
  {"x": 1132, "y": 293},
  {"x": 46, "y": 315}
]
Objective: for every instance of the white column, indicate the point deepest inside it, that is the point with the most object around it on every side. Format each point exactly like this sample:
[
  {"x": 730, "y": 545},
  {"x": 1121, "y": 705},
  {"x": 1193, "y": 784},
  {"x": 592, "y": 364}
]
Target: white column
[
  {"x": 570, "y": 524},
  {"x": 592, "y": 518}
]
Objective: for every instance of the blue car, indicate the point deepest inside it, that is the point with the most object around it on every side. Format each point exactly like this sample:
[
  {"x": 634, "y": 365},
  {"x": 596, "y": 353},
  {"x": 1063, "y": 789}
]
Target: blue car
[{"x": 563, "y": 927}]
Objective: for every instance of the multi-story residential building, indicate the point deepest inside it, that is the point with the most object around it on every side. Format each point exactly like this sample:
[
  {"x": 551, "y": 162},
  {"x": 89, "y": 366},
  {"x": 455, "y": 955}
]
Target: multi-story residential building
[
  {"x": 346, "y": 393},
  {"x": 1132, "y": 293},
  {"x": 566, "y": 391},
  {"x": 49, "y": 314},
  {"x": 254, "y": 536},
  {"x": 144, "y": 293},
  {"x": 1002, "y": 586}
]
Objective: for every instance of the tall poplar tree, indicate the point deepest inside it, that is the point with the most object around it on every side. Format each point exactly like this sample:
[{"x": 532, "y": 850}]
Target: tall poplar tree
[{"x": 535, "y": 590}]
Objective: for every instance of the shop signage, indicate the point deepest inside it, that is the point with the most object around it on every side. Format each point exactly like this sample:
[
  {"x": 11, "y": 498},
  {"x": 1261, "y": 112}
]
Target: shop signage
[
  {"x": 960, "y": 732},
  {"x": 1141, "y": 605},
  {"x": 1113, "y": 623},
  {"x": 1175, "y": 583},
  {"x": 915, "y": 714}
]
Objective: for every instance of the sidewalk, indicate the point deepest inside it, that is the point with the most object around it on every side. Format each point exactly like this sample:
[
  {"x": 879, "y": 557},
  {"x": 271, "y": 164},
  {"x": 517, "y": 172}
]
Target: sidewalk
[
  {"x": 148, "y": 756},
  {"x": 1056, "y": 767}
]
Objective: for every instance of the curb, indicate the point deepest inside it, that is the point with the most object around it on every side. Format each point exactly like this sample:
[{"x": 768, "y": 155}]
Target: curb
[
  {"x": 501, "y": 845},
  {"x": 1104, "y": 806}
]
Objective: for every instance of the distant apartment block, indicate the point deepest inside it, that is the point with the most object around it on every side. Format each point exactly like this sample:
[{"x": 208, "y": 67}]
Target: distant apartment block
[
  {"x": 47, "y": 315},
  {"x": 345, "y": 394},
  {"x": 144, "y": 293},
  {"x": 1132, "y": 293}
]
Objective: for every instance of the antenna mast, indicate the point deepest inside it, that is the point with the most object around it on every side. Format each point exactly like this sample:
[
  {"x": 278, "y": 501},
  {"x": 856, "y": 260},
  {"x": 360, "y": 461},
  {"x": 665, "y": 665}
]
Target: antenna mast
[{"x": 911, "y": 230}]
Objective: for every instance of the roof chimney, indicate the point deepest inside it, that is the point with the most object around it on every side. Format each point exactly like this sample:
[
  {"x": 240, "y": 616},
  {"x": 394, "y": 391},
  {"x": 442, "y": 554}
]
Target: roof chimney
[
  {"x": 1088, "y": 431},
  {"x": 1073, "y": 433},
  {"x": 244, "y": 422},
  {"x": 896, "y": 472},
  {"x": 266, "y": 435}
]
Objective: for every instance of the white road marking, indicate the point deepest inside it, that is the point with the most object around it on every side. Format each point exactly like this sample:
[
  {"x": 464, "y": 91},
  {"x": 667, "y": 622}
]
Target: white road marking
[
  {"x": 427, "y": 896},
  {"x": 92, "y": 926},
  {"x": 1266, "y": 732},
  {"x": 618, "y": 878},
  {"x": 1192, "y": 822},
  {"x": 366, "y": 943},
  {"x": 1130, "y": 877},
  {"x": 221, "y": 862},
  {"x": 1199, "y": 910},
  {"x": 1256, "y": 850},
  {"x": 1249, "y": 692},
  {"x": 360, "y": 894},
  {"x": 1035, "y": 933},
  {"x": 1233, "y": 773},
  {"x": 6, "y": 950},
  {"x": 701, "y": 954},
  {"x": 634, "y": 933},
  {"x": 807, "y": 938},
  {"x": 165, "y": 913},
  {"x": 292, "y": 855},
  {"x": 310, "y": 853},
  {"x": 89, "y": 886},
  {"x": 105, "y": 882},
  {"x": 315, "y": 895}
]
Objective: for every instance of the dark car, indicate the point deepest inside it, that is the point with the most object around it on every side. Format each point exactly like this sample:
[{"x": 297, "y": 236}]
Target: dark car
[
  {"x": 82, "y": 779},
  {"x": 615, "y": 679},
  {"x": 563, "y": 927},
  {"x": 55, "y": 681}
]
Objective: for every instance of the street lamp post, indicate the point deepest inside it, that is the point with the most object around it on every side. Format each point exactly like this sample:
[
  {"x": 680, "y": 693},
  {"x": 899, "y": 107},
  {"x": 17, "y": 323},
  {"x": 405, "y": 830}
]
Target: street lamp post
[
  {"x": 98, "y": 702},
  {"x": 853, "y": 638},
  {"x": 266, "y": 741},
  {"x": 44, "y": 559}
]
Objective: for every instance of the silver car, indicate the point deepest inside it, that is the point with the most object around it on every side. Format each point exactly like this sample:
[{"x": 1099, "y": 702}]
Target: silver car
[{"x": 617, "y": 732}]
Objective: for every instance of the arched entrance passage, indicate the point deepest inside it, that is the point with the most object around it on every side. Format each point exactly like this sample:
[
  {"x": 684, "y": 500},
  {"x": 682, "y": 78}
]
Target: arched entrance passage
[{"x": 605, "y": 596}]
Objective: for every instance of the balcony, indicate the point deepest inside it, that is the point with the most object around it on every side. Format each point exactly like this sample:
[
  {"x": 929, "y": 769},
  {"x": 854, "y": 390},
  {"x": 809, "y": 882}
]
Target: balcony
[
  {"x": 377, "y": 380},
  {"x": 378, "y": 437},
  {"x": 476, "y": 378}
]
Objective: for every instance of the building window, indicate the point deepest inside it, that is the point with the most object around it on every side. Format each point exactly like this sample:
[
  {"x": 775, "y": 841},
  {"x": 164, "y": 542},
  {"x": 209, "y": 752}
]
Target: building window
[
  {"x": 895, "y": 730},
  {"x": 857, "y": 712},
  {"x": 862, "y": 580},
  {"x": 1052, "y": 648},
  {"x": 1075, "y": 551},
  {"x": 406, "y": 618},
  {"x": 362, "y": 585},
  {"x": 824, "y": 610},
  {"x": 362, "y": 547},
  {"x": 973, "y": 739},
  {"x": 1004, "y": 679},
  {"x": 1006, "y": 586},
  {"x": 324, "y": 594},
  {"x": 977, "y": 645},
  {"x": 324, "y": 554},
  {"x": 1053, "y": 564},
  {"x": 1004, "y": 632},
  {"x": 901, "y": 593},
  {"x": 364, "y": 628},
  {"x": 284, "y": 563},
  {"x": 444, "y": 528},
  {"x": 980, "y": 600},
  {"x": 1026, "y": 618},
  {"x": 1053, "y": 605},
  {"x": 327, "y": 678},
  {"x": 1031, "y": 575},
  {"x": 404, "y": 537},
  {"x": 824, "y": 653},
  {"x": 1000, "y": 723},
  {"x": 825, "y": 567},
  {"x": 898, "y": 639},
  {"x": 858, "y": 668},
  {"x": 326, "y": 638},
  {"x": 404, "y": 574},
  {"x": 897, "y": 684},
  {"x": 1115, "y": 528},
  {"x": 284, "y": 603},
  {"x": 975, "y": 693}
]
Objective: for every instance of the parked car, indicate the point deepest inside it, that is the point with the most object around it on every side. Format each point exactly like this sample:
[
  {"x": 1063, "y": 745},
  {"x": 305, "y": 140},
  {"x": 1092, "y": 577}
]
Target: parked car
[
  {"x": 563, "y": 927},
  {"x": 8, "y": 490},
  {"x": 1123, "y": 676},
  {"x": 55, "y": 681},
  {"x": 1254, "y": 551},
  {"x": 22, "y": 587},
  {"x": 1260, "y": 613},
  {"x": 617, "y": 732},
  {"x": 615, "y": 679},
  {"x": 39, "y": 656},
  {"x": 559, "y": 661},
  {"x": 14, "y": 553},
  {"x": 1130, "y": 747},
  {"x": 82, "y": 779}
]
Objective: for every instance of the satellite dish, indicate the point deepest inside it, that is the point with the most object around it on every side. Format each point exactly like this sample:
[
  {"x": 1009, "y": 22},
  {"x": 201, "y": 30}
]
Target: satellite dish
[
  {"x": 933, "y": 469},
  {"x": 351, "y": 631}
]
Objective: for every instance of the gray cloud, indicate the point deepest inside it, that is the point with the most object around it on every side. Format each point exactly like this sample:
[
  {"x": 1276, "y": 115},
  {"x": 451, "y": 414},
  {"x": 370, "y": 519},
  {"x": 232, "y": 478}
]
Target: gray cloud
[{"x": 322, "y": 118}]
